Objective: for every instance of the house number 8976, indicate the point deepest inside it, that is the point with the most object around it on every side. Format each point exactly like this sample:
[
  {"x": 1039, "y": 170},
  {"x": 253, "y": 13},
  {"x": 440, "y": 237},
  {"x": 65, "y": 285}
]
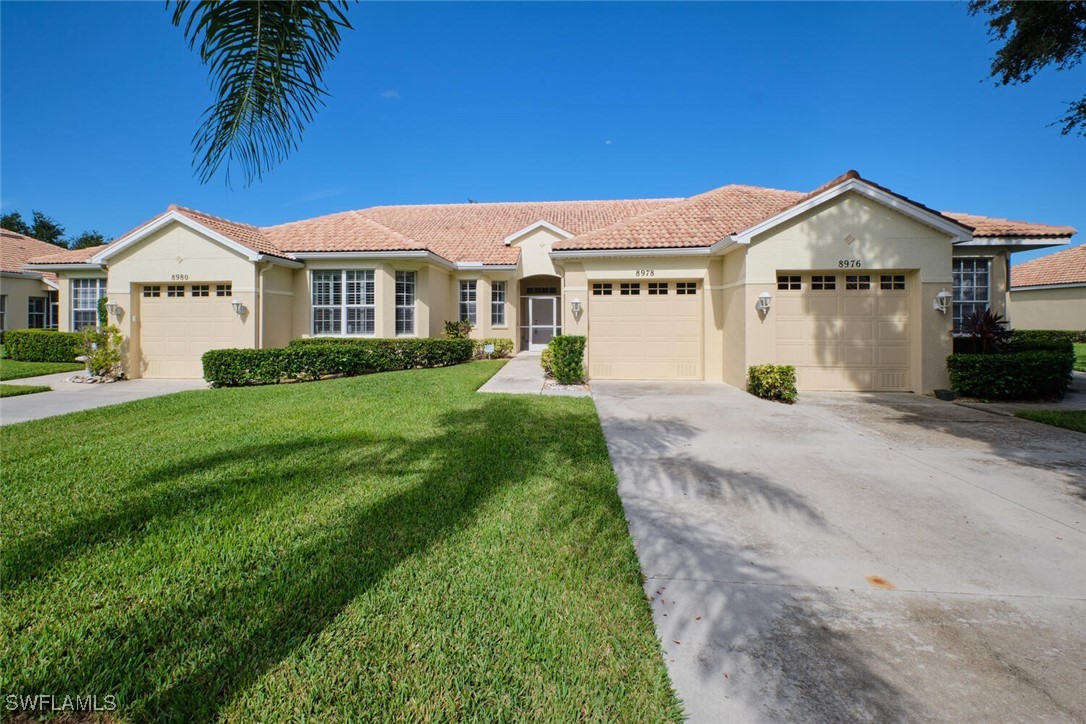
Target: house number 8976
[{"x": 848, "y": 264}]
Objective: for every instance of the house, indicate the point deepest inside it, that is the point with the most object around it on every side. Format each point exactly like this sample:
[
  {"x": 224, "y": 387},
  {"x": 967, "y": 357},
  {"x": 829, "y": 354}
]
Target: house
[
  {"x": 1050, "y": 292},
  {"x": 851, "y": 283},
  {"x": 28, "y": 299}
]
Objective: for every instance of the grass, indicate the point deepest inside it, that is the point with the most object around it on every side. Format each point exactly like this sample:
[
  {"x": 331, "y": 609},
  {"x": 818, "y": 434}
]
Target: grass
[
  {"x": 16, "y": 390},
  {"x": 1080, "y": 356},
  {"x": 1070, "y": 419},
  {"x": 13, "y": 370},
  {"x": 389, "y": 547}
]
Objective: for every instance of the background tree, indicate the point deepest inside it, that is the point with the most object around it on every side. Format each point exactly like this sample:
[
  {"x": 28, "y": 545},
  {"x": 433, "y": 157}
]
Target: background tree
[
  {"x": 1035, "y": 35},
  {"x": 45, "y": 228},
  {"x": 266, "y": 59},
  {"x": 86, "y": 239},
  {"x": 14, "y": 222}
]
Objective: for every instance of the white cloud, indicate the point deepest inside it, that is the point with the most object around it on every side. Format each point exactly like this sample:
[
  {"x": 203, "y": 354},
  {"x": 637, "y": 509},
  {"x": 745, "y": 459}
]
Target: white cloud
[
  {"x": 391, "y": 93},
  {"x": 607, "y": 142}
]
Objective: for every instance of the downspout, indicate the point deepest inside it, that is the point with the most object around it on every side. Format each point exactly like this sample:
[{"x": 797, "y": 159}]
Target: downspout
[{"x": 260, "y": 305}]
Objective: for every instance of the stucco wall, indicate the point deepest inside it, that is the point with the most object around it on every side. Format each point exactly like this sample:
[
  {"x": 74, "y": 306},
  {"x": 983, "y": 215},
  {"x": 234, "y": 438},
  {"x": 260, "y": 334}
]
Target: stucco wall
[
  {"x": 278, "y": 300},
  {"x": 18, "y": 291},
  {"x": 1056, "y": 308}
]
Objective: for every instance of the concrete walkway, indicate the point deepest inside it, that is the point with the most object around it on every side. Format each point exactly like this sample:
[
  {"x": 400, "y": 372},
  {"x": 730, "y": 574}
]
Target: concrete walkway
[
  {"x": 72, "y": 397},
  {"x": 523, "y": 375},
  {"x": 855, "y": 557}
]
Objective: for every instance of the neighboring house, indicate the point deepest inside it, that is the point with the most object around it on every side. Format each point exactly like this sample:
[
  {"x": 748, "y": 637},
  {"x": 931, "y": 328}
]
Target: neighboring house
[
  {"x": 663, "y": 288},
  {"x": 1050, "y": 292},
  {"x": 28, "y": 299}
]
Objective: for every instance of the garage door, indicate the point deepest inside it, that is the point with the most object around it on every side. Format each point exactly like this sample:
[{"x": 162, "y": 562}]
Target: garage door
[
  {"x": 179, "y": 322},
  {"x": 645, "y": 330},
  {"x": 844, "y": 331}
]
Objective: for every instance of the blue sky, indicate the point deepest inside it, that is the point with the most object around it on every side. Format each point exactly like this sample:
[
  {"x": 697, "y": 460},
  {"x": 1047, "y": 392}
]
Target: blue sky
[{"x": 544, "y": 101}]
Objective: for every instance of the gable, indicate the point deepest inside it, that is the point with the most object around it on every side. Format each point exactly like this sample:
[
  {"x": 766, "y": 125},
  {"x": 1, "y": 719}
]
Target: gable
[{"x": 177, "y": 249}]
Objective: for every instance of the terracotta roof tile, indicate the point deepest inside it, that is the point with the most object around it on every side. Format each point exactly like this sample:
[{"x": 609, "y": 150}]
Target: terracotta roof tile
[
  {"x": 17, "y": 249},
  {"x": 247, "y": 235},
  {"x": 986, "y": 226},
  {"x": 73, "y": 256},
  {"x": 1063, "y": 267},
  {"x": 345, "y": 231}
]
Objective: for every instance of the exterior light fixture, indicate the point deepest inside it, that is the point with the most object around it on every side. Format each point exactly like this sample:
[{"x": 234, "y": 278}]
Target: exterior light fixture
[
  {"x": 114, "y": 309},
  {"x": 575, "y": 305},
  {"x": 942, "y": 301},
  {"x": 239, "y": 306},
  {"x": 764, "y": 299}
]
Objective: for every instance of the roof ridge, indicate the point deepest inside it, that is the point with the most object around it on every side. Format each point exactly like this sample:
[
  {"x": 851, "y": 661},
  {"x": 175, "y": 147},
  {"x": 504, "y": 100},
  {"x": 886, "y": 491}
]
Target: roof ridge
[
  {"x": 521, "y": 203},
  {"x": 179, "y": 207}
]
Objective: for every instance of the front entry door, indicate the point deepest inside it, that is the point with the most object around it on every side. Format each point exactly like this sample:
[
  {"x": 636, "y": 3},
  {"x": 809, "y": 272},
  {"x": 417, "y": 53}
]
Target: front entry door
[{"x": 542, "y": 313}]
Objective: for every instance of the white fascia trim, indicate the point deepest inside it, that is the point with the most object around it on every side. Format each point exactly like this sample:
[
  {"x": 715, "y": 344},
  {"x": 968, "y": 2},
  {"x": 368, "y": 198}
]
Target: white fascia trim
[
  {"x": 377, "y": 255},
  {"x": 65, "y": 267},
  {"x": 589, "y": 253},
  {"x": 168, "y": 218},
  {"x": 1070, "y": 285},
  {"x": 289, "y": 263},
  {"x": 22, "y": 275},
  {"x": 1034, "y": 242},
  {"x": 480, "y": 266},
  {"x": 913, "y": 211},
  {"x": 541, "y": 224}
]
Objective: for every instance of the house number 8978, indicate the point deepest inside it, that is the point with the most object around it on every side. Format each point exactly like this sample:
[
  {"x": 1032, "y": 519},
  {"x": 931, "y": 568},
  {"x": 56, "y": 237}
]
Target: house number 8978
[{"x": 646, "y": 272}]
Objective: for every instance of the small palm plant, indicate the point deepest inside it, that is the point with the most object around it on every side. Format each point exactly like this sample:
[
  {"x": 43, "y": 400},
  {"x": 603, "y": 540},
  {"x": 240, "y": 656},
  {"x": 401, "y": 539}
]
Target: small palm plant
[{"x": 988, "y": 331}]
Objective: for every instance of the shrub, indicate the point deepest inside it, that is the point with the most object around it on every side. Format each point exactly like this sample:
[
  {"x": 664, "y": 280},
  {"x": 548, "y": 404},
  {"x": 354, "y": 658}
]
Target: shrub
[
  {"x": 1031, "y": 374},
  {"x": 313, "y": 358},
  {"x": 103, "y": 312},
  {"x": 41, "y": 345},
  {"x": 102, "y": 350},
  {"x": 502, "y": 347},
  {"x": 1047, "y": 335},
  {"x": 458, "y": 330},
  {"x": 546, "y": 361},
  {"x": 988, "y": 331},
  {"x": 567, "y": 358},
  {"x": 772, "y": 382}
]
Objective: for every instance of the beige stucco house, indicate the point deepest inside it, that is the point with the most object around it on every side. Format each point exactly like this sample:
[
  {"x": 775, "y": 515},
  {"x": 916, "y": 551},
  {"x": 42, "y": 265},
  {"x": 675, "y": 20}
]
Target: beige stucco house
[
  {"x": 1049, "y": 292},
  {"x": 28, "y": 299},
  {"x": 849, "y": 283}
]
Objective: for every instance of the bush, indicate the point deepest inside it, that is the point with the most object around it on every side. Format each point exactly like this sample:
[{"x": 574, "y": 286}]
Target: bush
[
  {"x": 502, "y": 347},
  {"x": 103, "y": 312},
  {"x": 772, "y": 382},
  {"x": 1047, "y": 335},
  {"x": 567, "y": 358},
  {"x": 41, "y": 345},
  {"x": 313, "y": 358},
  {"x": 546, "y": 361},
  {"x": 1031, "y": 374},
  {"x": 988, "y": 332},
  {"x": 458, "y": 330},
  {"x": 102, "y": 350}
]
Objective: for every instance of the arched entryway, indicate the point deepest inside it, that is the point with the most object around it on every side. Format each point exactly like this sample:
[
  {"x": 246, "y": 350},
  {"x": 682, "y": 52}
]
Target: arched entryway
[{"x": 540, "y": 311}]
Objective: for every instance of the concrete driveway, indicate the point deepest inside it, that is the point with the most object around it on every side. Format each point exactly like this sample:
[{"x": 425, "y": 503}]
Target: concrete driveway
[
  {"x": 855, "y": 557},
  {"x": 68, "y": 397}
]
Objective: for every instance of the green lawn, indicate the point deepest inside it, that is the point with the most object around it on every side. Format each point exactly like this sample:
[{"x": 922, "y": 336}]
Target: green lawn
[
  {"x": 13, "y": 370},
  {"x": 16, "y": 390},
  {"x": 1080, "y": 356},
  {"x": 1071, "y": 419},
  {"x": 393, "y": 546}
]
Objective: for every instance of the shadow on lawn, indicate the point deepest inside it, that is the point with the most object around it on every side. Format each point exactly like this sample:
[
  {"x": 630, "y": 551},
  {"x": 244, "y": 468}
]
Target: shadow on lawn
[{"x": 235, "y": 632}]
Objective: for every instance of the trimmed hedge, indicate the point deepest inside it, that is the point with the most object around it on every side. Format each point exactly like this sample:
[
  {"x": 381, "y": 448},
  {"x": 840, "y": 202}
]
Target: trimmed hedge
[
  {"x": 1030, "y": 374},
  {"x": 567, "y": 358},
  {"x": 41, "y": 345},
  {"x": 772, "y": 382},
  {"x": 1046, "y": 335},
  {"x": 502, "y": 347},
  {"x": 313, "y": 358}
]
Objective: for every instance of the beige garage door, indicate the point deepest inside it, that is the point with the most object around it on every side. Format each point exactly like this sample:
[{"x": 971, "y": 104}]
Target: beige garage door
[
  {"x": 645, "y": 330},
  {"x": 179, "y": 322},
  {"x": 844, "y": 331}
]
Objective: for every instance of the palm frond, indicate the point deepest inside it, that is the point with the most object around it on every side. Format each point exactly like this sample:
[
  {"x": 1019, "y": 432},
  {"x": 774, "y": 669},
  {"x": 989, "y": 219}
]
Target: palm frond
[{"x": 266, "y": 59}]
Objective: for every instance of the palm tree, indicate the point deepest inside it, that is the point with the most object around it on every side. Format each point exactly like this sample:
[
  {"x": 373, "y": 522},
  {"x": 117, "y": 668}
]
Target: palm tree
[{"x": 266, "y": 59}]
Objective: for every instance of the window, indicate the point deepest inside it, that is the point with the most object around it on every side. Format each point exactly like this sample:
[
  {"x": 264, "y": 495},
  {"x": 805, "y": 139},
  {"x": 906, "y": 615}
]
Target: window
[
  {"x": 686, "y": 288},
  {"x": 602, "y": 289},
  {"x": 542, "y": 291},
  {"x": 892, "y": 281},
  {"x": 36, "y": 312},
  {"x": 200, "y": 290},
  {"x": 857, "y": 281},
  {"x": 497, "y": 304},
  {"x": 971, "y": 291},
  {"x": 152, "y": 291},
  {"x": 3, "y": 311},
  {"x": 468, "y": 309},
  {"x": 175, "y": 290},
  {"x": 629, "y": 289},
  {"x": 85, "y": 296},
  {"x": 785, "y": 281},
  {"x": 343, "y": 302},
  {"x": 224, "y": 290},
  {"x": 405, "y": 302},
  {"x": 658, "y": 288},
  {"x": 824, "y": 283}
]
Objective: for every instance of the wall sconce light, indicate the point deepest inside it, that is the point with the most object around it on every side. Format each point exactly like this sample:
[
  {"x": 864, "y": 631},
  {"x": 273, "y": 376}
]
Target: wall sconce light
[
  {"x": 764, "y": 299},
  {"x": 114, "y": 309},
  {"x": 575, "y": 305},
  {"x": 942, "y": 301},
  {"x": 239, "y": 306}
]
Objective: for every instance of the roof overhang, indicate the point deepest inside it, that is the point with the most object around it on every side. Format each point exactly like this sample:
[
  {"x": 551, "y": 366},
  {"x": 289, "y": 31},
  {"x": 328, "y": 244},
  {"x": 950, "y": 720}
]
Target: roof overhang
[
  {"x": 664, "y": 251},
  {"x": 541, "y": 224},
  {"x": 31, "y": 275},
  {"x": 1019, "y": 242},
  {"x": 378, "y": 255},
  {"x": 67, "y": 266},
  {"x": 165, "y": 219},
  {"x": 956, "y": 231},
  {"x": 482, "y": 266},
  {"x": 1068, "y": 285}
]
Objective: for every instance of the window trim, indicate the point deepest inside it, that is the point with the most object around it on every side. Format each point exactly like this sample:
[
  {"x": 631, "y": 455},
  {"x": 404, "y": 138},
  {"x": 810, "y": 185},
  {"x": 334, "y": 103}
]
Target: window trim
[
  {"x": 468, "y": 307},
  {"x": 499, "y": 317},
  {"x": 343, "y": 307},
  {"x": 954, "y": 287},
  {"x": 100, "y": 284},
  {"x": 44, "y": 313},
  {"x": 406, "y": 307}
]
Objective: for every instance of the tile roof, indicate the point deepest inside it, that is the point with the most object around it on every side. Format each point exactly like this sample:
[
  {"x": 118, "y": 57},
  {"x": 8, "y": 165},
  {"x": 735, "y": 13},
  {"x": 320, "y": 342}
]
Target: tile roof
[
  {"x": 1063, "y": 267},
  {"x": 247, "y": 235},
  {"x": 73, "y": 256},
  {"x": 987, "y": 226},
  {"x": 17, "y": 249}
]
